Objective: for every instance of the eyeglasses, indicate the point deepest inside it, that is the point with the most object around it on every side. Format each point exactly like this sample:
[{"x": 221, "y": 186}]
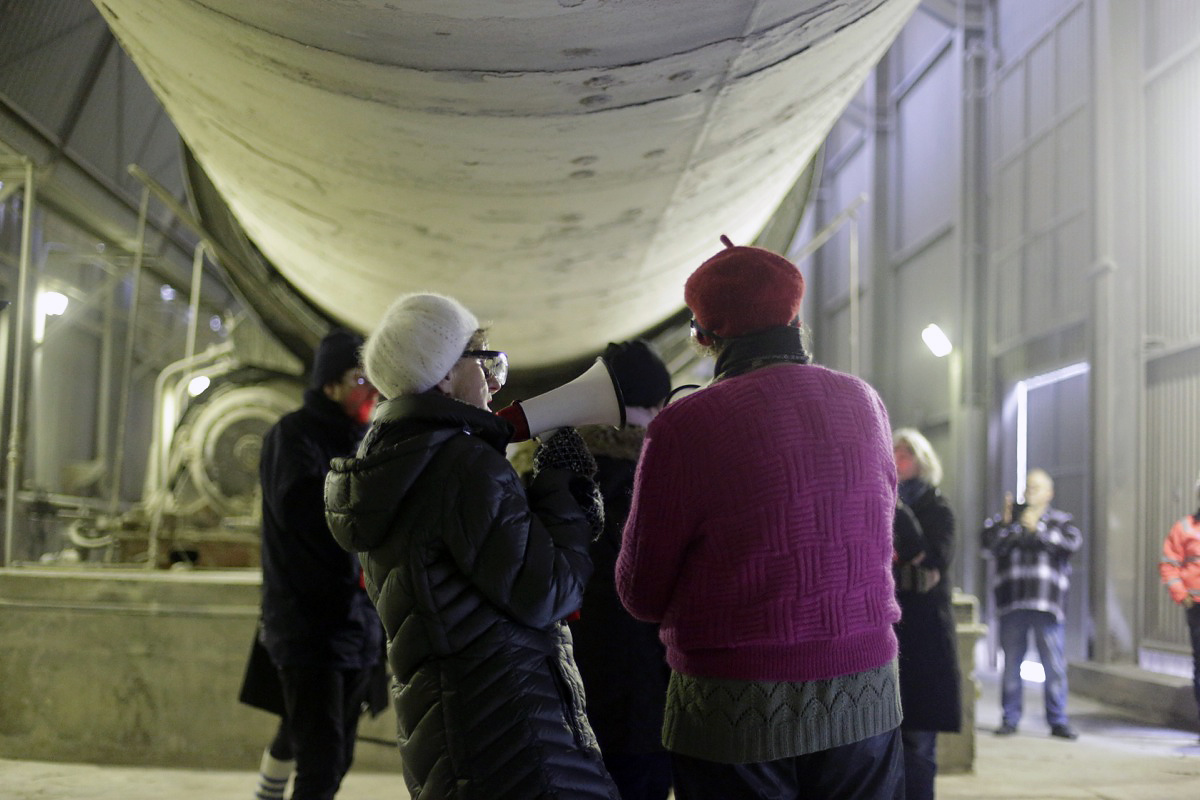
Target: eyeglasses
[{"x": 493, "y": 362}]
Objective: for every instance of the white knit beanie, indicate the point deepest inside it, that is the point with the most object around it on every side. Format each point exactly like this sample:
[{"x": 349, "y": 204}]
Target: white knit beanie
[{"x": 417, "y": 342}]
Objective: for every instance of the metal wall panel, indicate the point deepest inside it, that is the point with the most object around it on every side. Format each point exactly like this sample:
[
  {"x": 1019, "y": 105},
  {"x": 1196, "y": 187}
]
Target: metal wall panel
[
  {"x": 1023, "y": 22},
  {"x": 835, "y": 339},
  {"x": 1041, "y": 247},
  {"x": 44, "y": 49},
  {"x": 1171, "y": 465},
  {"x": 927, "y": 290},
  {"x": 926, "y": 175},
  {"x": 1171, "y": 55},
  {"x": 921, "y": 35},
  {"x": 1173, "y": 203},
  {"x": 1171, "y": 27},
  {"x": 851, "y": 180}
]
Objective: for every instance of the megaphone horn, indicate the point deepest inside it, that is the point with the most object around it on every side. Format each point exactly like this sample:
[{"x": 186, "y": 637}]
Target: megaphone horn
[{"x": 594, "y": 398}]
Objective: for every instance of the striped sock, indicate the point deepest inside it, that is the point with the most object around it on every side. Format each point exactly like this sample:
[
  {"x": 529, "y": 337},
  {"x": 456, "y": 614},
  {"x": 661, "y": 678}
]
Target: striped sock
[{"x": 273, "y": 777}]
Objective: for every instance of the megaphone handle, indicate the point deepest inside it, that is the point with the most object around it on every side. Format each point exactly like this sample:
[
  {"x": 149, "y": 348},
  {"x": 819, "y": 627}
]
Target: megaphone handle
[{"x": 515, "y": 415}]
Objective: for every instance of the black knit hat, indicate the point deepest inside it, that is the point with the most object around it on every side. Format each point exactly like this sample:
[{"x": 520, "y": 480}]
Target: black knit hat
[
  {"x": 336, "y": 353},
  {"x": 644, "y": 379}
]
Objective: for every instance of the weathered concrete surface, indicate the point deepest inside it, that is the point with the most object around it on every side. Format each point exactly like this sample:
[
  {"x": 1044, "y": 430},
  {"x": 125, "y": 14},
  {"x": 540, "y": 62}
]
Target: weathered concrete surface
[
  {"x": 136, "y": 667},
  {"x": 1115, "y": 758}
]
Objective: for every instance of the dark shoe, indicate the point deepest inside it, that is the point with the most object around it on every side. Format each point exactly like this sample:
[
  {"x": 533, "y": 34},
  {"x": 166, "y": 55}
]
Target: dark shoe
[
  {"x": 1064, "y": 731},
  {"x": 1007, "y": 729}
]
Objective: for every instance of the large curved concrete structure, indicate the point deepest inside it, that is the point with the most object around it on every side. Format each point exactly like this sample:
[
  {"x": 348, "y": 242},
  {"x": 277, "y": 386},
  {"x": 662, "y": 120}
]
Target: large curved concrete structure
[{"x": 559, "y": 165}]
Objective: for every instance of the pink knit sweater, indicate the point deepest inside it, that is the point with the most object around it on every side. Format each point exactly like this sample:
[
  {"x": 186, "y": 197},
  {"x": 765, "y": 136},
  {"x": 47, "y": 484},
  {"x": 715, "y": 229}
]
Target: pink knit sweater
[{"x": 760, "y": 535}]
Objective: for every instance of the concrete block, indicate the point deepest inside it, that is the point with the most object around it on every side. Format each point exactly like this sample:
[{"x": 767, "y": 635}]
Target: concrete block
[
  {"x": 140, "y": 667},
  {"x": 956, "y": 751}
]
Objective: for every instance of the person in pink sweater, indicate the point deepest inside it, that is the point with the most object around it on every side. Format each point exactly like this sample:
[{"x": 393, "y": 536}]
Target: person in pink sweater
[{"x": 759, "y": 539}]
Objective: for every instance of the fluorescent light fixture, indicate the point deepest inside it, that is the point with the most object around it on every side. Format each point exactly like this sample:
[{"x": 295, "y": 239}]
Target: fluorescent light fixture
[
  {"x": 52, "y": 304},
  {"x": 197, "y": 385},
  {"x": 48, "y": 304},
  {"x": 936, "y": 340}
]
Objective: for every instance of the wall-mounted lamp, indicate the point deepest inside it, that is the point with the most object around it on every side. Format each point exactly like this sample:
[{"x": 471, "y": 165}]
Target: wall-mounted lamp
[{"x": 936, "y": 340}]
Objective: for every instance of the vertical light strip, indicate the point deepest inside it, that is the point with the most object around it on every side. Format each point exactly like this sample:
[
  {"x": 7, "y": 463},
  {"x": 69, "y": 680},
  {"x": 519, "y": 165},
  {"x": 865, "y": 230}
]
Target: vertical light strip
[{"x": 1022, "y": 398}]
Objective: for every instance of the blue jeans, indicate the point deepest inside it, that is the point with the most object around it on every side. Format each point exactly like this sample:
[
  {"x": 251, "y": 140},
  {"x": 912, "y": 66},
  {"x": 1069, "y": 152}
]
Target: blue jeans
[{"x": 1014, "y": 641}]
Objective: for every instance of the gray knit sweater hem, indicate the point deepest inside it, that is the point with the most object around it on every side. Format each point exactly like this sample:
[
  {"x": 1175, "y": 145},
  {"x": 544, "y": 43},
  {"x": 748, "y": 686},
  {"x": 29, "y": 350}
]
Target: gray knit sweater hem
[{"x": 742, "y": 722}]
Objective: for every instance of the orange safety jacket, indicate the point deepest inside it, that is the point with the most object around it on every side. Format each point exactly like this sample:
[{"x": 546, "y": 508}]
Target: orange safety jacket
[{"x": 1180, "y": 565}]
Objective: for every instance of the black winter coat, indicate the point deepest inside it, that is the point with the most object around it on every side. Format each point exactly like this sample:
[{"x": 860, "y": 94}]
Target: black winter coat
[
  {"x": 929, "y": 676},
  {"x": 314, "y": 610},
  {"x": 472, "y": 576},
  {"x": 622, "y": 661}
]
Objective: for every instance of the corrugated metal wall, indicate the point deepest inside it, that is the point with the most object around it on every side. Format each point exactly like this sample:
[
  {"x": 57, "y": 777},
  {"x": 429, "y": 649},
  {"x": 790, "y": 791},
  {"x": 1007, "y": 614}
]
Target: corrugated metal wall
[{"x": 1171, "y": 86}]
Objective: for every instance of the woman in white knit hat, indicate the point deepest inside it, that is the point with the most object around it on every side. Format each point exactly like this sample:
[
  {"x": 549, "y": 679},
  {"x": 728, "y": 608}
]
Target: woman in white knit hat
[{"x": 472, "y": 573}]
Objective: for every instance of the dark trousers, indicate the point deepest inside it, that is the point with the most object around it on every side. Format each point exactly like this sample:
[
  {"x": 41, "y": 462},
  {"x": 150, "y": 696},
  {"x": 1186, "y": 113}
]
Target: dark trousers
[
  {"x": 1193, "y": 622},
  {"x": 281, "y": 745},
  {"x": 872, "y": 769},
  {"x": 920, "y": 763},
  {"x": 645, "y": 776},
  {"x": 323, "y": 707}
]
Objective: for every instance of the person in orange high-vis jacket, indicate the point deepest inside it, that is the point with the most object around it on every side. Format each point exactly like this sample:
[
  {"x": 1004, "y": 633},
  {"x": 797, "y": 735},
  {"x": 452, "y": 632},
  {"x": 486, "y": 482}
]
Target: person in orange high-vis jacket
[{"x": 1180, "y": 570}]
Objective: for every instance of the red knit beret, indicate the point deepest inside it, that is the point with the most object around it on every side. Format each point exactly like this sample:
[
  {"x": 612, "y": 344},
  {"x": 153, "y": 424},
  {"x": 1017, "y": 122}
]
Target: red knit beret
[{"x": 741, "y": 290}]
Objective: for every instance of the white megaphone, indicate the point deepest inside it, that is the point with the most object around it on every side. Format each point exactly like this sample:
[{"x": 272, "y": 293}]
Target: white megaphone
[{"x": 594, "y": 398}]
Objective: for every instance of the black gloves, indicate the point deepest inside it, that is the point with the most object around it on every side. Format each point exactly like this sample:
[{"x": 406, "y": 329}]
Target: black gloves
[{"x": 565, "y": 450}]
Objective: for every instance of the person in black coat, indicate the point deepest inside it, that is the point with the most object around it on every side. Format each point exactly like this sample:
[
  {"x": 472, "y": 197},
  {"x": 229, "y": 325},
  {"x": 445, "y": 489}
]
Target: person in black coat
[
  {"x": 621, "y": 660},
  {"x": 473, "y": 573},
  {"x": 318, "y": 625},
  {"x": 929, "y": 675}
]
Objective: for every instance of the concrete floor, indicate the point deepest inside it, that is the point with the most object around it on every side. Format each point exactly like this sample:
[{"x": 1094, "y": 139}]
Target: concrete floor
[{"x": 1115, "y": 758}]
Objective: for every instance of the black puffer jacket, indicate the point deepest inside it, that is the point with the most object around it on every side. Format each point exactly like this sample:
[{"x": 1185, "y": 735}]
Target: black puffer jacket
[{"x": 472, "y": 577}]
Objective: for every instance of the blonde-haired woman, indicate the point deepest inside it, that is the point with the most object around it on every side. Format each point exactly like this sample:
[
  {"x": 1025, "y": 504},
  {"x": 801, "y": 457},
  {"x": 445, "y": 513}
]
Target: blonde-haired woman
[{"x": 929, "y": 676}]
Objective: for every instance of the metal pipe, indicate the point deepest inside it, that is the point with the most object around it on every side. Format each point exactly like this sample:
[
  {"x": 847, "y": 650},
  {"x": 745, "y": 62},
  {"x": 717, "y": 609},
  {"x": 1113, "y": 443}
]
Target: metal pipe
[
  {"x": 15, "y": 427},
  {"x": 194, "y": 299},
  {"x": 104, "y": 433},
  {"x": 854, "y": 289},
  {"x": 156, "y": 468},
  {"x": 822, "y": 236},
  {"x": 127, "y": 364}
]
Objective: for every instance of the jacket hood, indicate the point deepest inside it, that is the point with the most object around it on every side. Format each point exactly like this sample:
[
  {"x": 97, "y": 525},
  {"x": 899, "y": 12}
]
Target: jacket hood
[{"x": 364, "y": 493}]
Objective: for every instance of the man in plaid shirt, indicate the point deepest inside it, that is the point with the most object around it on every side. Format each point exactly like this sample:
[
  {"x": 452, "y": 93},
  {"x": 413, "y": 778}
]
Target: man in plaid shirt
[{"x": 1031, "y": 544}]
